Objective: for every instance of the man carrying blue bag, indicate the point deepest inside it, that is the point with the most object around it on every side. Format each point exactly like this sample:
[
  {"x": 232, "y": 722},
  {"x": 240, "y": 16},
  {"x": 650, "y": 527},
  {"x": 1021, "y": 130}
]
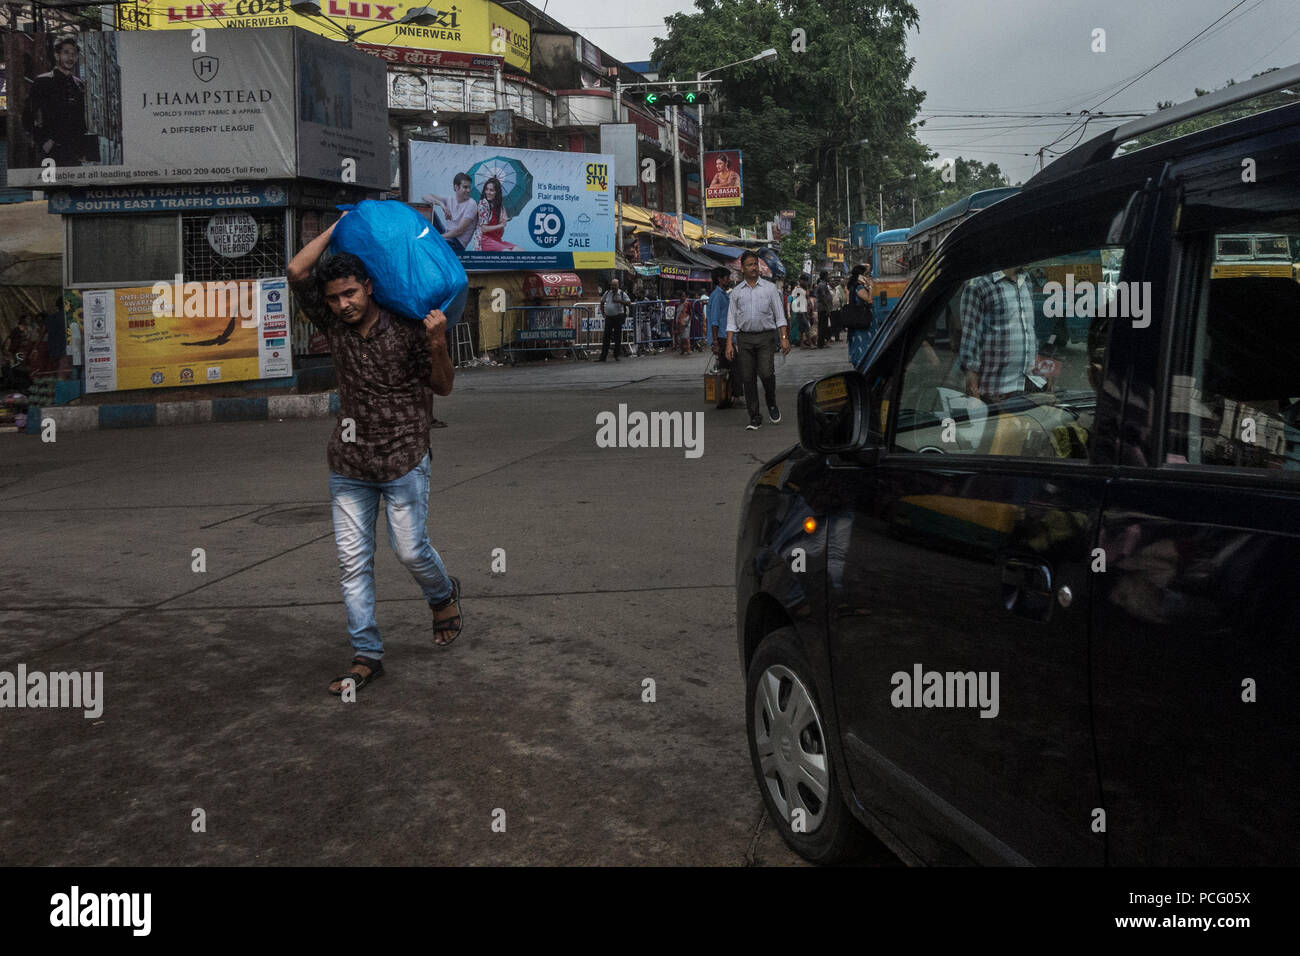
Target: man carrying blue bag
[{"x": 388, "y": 368}]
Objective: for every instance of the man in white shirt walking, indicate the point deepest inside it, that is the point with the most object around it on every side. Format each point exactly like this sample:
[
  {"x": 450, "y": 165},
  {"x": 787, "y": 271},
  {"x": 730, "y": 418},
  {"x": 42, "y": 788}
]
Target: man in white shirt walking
[{"x": 754, "y": 317}]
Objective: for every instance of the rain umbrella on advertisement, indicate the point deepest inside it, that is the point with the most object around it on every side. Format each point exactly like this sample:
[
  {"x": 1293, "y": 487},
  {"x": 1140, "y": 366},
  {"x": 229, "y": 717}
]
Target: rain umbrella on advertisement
[{"x": 516, "y": 182}]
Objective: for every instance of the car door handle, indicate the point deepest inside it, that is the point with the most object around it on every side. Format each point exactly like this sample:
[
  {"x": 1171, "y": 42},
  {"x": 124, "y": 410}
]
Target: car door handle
[{"x": 1027, "y": 587}]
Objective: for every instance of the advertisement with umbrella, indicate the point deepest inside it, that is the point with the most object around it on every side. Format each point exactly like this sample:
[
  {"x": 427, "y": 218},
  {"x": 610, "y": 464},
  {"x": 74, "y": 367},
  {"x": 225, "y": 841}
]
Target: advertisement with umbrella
[
  {"x": 517, "y": 209},
  {"x": 515, "y": 179}
]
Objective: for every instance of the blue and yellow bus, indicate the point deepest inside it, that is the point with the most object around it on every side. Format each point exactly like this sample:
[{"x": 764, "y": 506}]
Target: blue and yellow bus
[
  {"x": 891, "y": 271},
  {"x": 925, "y": 236},
  {"x": 896, "y": 254}
]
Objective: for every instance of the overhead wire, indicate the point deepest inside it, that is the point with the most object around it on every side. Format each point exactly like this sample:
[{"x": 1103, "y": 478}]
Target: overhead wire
[
  {"x": 1274, "y": 49},
  {"x": 1149, "y": 70},
  {"x": 1114, "y": 89}
]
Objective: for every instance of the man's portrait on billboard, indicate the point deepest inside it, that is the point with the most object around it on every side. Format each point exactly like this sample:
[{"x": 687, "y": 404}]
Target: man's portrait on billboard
[{"x": 55, "y": 113}]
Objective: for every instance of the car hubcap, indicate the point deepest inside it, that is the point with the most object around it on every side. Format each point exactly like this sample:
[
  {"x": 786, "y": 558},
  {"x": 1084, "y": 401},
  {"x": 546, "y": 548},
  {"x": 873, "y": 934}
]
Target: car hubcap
[{"x": 791, "y": 747}]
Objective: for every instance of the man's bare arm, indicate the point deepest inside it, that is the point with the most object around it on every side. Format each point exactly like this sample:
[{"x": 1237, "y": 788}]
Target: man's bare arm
[
  {"x": 444, "y": 373},
  {"x": 300, "y": 266}
]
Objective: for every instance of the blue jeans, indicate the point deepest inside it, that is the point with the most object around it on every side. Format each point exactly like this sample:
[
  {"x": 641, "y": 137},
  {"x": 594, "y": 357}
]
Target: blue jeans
[{"x": 356, "y": 507}]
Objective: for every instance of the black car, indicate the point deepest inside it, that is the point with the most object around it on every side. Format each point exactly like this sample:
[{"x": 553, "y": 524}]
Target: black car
[{"x": 1011, "y": 604}]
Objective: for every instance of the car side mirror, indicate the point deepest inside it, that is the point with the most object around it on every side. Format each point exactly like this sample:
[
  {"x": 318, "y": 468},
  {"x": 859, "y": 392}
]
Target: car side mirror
[{"x": 833, "y": 414}]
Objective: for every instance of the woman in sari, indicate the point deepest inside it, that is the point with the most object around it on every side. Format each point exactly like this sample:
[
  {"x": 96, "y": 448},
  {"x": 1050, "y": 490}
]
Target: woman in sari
[{"x": 492, "y": 219}]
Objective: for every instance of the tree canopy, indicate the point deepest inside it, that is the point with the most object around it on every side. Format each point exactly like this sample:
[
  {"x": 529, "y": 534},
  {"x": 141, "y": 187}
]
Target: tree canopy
[{"x": 837, "y": 95}]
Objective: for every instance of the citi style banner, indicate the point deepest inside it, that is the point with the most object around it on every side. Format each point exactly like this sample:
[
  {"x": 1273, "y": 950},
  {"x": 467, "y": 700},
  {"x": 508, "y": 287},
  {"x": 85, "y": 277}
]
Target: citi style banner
[
  {"x": 461, "y": 31},
  {"x": 129, "y": 107},
  {"x": 506, "y": 209}
]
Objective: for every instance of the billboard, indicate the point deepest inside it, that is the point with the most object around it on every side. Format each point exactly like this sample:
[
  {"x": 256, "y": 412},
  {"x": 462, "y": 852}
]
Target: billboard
[
  {"x": 722, "y": 178},
  {"x": 508, "y": 209},
  {"x": 619, "y": 141},
  {"x": 178, "y": 333},
  {"x": 113, "y": 108},
  {"x": 464, "y": 28},
  {"x": 342, "y": 113},
  {"x": 835, "y": 250}
]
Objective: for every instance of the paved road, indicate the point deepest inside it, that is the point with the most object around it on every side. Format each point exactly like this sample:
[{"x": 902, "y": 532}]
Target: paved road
[{"x": 620, "y": 567}]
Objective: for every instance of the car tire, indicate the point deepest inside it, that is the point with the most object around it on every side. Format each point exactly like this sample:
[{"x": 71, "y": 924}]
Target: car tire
[{"x": 787, "y": 738}]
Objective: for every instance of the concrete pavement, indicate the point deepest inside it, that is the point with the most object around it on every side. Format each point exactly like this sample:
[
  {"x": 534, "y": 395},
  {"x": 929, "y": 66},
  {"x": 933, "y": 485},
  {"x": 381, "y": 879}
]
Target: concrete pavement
[{"x": 620, "y": 567}]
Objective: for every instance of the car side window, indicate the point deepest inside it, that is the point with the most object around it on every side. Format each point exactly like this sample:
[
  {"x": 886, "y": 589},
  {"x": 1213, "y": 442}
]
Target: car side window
[
  {"x": 1009, "y": 362},
  {"x": 1234, "y": 393}
]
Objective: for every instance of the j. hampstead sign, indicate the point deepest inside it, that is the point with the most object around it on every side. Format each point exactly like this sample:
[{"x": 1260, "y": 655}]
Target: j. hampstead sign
[{"x": 135, "y": 107}]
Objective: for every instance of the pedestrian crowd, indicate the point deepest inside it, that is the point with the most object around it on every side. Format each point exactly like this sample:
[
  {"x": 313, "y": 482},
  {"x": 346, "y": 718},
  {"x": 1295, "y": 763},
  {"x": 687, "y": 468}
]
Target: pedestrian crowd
[{"x": 747, "y": 321}]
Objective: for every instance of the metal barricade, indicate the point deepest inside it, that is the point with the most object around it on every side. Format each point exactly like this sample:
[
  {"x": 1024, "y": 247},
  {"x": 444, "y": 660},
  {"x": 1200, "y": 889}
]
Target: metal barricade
[
  {"x": 542, "y": 328},
  {"x": 652, "y": 325},
  {"x": 591, "y": 331}
]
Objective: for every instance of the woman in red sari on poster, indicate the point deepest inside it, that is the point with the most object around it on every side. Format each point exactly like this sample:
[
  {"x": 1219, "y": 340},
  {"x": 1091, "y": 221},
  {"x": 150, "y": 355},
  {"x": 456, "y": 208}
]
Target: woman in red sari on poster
[{"x": 492, "y": 220}]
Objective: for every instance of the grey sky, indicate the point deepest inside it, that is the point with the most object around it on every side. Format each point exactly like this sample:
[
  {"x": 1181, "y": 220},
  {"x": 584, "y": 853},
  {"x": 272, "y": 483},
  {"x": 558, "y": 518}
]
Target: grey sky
[{"x": 1027, "y": 56}]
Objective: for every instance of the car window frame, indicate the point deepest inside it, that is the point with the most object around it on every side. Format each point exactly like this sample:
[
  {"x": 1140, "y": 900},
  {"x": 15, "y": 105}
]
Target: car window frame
[
  {"x": 1191, "y": 265},
  {"x": 1137, "y": 204},
  {"x": 940, "y": 295},
  {"x": 1191, "y": 182}
]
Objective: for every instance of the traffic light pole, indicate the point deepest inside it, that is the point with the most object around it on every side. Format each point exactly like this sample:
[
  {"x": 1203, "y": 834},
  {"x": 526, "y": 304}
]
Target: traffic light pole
[
  {"x": 700, "y": 83},
  {"x": 677, "y": 175},
  {"x": 618, "y": 198},
  {"x": 704, "y": 205}
]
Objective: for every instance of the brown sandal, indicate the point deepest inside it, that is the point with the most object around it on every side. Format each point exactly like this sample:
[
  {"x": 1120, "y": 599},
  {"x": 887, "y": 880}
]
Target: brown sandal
[
  {"x": 448, "y": 625},
  {"x": 358, "y": 681}
]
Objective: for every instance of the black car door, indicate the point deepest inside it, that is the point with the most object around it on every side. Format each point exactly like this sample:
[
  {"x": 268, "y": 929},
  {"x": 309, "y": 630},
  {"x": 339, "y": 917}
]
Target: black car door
[
  {"x": 960, "y": 580},
  {"x": 1197, "y": 615}
]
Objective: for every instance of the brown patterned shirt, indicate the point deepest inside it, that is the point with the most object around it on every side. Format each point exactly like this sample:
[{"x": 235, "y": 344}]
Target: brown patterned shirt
[{"x": 384, "y": 387}]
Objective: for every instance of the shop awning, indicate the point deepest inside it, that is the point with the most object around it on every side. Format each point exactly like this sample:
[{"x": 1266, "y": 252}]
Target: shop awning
[
  {"x": 692, "y": 229},
  {"x": 693, "y": 258},
  {"x": 31, "y": 245},
  {"x": 704, "y": 262},
  {"x": 552, "y": 285},
  {"x": 727, "y": 252},
  {"x": 635, "y": 215}
]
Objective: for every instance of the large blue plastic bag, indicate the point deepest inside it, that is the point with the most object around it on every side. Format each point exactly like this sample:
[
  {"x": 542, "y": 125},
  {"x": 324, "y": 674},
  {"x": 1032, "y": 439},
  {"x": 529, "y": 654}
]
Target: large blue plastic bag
[{"x": 413, "y": 269}]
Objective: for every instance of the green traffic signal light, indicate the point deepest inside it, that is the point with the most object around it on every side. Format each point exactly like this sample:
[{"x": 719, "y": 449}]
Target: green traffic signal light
[
  {"x": 691, "y": 98},
  {"x": 651, "y": 99}
]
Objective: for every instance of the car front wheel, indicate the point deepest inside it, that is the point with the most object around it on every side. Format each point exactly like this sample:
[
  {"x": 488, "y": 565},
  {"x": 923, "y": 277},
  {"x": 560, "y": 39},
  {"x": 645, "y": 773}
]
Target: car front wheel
[{"x": 792, "y": 761}]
